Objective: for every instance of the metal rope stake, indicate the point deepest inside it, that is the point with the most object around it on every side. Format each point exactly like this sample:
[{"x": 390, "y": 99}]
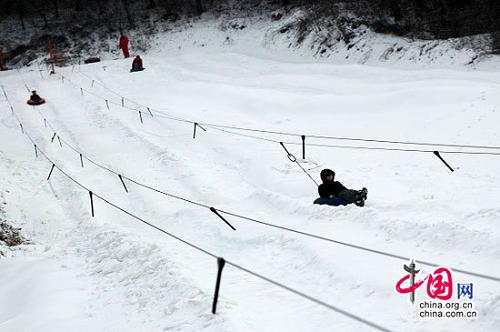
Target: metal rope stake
[
  {"x": 220, "y": 265},
  {"x": 12, "y": 110},
  {"x": 50, "y": 173},
  {"x": 351, "y": 245},
  {"x": 92, "y": 85},
  {"x": 107, "y": 104},
  {"x": 444, "y": 161},
  {"x": 45, "y": 122},
  {"x": 123, "y": 182},
  {"x": 149, "y": 112},
  {"x": 223, "y": 219},
  {"x": 303, "y": 146},
  {"x": 36, "y": 151},
  {"x": 53, "y": 137},
  {"x": 81, "y": 90},
  {"x": 59, "y": 139},
  {"x": 22, "y": 129},
  {"x": 293, "y": 159},
  {"x": 91, "y": 203},
  {"x": 123, "y": 102},
  {"x": 140, "y": 116},
  {"x": 290, "y": 156},
  {"x": 194, "y": 129},
  {"x": 81, "y": 160}
]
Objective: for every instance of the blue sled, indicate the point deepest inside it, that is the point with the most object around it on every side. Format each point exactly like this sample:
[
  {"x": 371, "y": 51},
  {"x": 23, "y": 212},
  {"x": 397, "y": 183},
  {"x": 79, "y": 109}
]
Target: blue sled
[
  {"x": 136, "y": 69},
  {"x": 331, "y": 201}
]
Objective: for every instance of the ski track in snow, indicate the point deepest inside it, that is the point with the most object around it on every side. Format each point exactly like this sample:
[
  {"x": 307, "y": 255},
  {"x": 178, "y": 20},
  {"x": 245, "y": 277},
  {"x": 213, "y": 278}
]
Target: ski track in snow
[{"x": 133, "y": 278}]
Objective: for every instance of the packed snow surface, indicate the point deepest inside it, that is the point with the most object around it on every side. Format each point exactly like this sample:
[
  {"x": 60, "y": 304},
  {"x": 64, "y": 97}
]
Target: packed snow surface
[{"x": 114, "y": 273}]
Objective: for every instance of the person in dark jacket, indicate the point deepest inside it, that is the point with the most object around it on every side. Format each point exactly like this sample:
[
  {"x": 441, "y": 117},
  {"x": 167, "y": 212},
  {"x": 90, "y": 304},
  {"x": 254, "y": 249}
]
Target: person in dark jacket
[
  {"x": 334, "y": 193},
  {"x": 137, "y": 64},
  {"x": 35, "y": 99}
]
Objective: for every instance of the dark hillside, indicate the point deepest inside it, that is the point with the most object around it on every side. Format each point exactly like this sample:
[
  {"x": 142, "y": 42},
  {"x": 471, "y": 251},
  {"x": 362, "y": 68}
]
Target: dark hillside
[{"x": 94, "y": 25}]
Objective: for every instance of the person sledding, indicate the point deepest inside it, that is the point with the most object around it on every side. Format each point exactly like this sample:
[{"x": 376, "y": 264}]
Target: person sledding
[
  {"x": 35, "y": 99},
  {"x": 137, "y": 64},
  {"x": 334, "y": 193}
]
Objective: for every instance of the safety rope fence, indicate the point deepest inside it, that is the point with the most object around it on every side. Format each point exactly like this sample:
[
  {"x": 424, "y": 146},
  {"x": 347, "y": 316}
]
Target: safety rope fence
[
  {"x": 443, "y": 147},
  {"x": 230, "y": 130},
  {"x": 221, "y": 262},
  {"x": 224, "y": 128},
  {"x": 219, "y": 212},
  {"x": 289, "y": 156},
  {"x": 302, "y": 137}
]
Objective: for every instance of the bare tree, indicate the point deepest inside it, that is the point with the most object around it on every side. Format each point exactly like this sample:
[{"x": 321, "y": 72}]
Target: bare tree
[
  {"x": 56, "y": 7},
  {"x": 21, "y": 7},
  {"x": 78, "y": 5},
  {"x": 199, "y": 7},
  {"x": 151, "y": 4},
  {"x": 126, "y": 8}
]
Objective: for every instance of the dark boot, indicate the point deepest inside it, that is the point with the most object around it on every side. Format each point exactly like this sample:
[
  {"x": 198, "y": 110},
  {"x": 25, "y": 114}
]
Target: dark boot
[
  {"x": 360, "y": 202},
  {"x": 364, "y": 193}
]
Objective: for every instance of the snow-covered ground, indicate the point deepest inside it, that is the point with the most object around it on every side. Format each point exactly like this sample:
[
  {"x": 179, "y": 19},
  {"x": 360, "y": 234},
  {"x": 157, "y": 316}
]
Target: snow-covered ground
[{"x": 113, "y": 273}]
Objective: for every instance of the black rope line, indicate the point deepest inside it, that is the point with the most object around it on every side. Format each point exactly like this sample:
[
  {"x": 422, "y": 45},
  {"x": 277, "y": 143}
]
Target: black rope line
[
  {"x": 200, "y": 249},
  {"x": 218, "y": 126},
  {"x": 122, "y": 176},
  {"x": 94, "y": 80},
  {"x": 214, "y": 210},
  {"x": 242, "y": 135},
  {"x": 355, "y": 147},
  {"x": 324, "y": 304},
  {"x": 317, "y": 237},
  {"x": 443, "y": 161},
  {"x": 355, "y": 139},
  {"x": 355, "y": 246},
  {"x": 268, "y": 224},
  {"x": 108, "y": 102},
  {"x": 123, "y": 183},
  {"x": 302, "y": 136},
  {"x": 54, "y": 165},
  {"x": 293, "y": 159},
  {"x": 239, "y": 267},
  {"x": 396, "y": 149},
  {"x": 24, "y": 81}
]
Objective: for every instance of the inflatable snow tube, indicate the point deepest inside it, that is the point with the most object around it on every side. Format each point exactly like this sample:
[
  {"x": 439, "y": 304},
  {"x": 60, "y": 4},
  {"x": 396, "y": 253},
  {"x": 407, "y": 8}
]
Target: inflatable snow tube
[
  {"x": 331, "y": 201},
  {"x": 34, "y": 103}
]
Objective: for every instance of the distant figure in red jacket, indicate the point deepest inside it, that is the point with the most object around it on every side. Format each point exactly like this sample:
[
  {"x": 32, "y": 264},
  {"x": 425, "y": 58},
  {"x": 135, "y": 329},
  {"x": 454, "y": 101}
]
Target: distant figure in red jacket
[{"x": 124, "y": 45}]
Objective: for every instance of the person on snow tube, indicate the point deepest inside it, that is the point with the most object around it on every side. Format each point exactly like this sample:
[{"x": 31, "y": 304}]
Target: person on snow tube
[
  {"x": 334, "y": 193},
  {"x": 137, "y": 64},
  {"x": 35, "y": 99}
]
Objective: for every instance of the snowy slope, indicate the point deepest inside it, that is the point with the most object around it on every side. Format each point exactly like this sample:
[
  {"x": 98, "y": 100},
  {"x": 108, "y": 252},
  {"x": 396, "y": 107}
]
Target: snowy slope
[{"x": 113, "y": 273}]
